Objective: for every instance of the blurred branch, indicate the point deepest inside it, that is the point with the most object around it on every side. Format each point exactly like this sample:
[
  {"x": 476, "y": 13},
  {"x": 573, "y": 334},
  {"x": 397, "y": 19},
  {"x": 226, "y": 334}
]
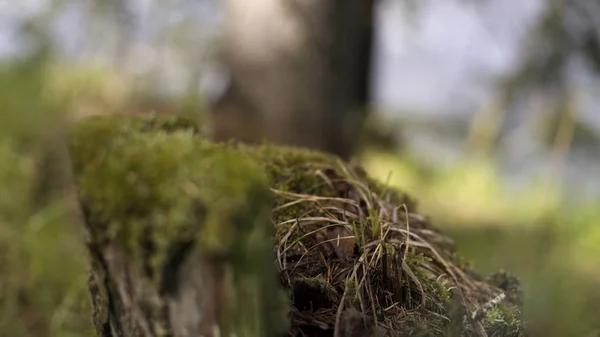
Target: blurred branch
[
  {"x": 116, "y": 17},
  {"x": 565, "y": 131},
  {"x": 485, "y": 127},
  {"x": 36, "y": 28},
  {"x": 564, "y": 31}
]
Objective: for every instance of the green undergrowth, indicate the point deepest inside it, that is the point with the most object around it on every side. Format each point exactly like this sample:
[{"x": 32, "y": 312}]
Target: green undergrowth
[
  {"x": 42, "y": 258},
  {"x": 43, "y": 267}
]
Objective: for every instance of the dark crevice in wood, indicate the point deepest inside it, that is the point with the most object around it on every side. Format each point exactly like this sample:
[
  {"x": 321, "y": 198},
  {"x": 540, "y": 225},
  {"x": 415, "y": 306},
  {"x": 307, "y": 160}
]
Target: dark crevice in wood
[
  {"x": 148, "y": 249},
  {"x": 170, "y": 274},
  {"x": 114, "y": 309}
]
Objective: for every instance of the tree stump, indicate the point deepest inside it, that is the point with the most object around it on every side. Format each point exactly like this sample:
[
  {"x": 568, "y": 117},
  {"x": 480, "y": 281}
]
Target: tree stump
[
  {"x": 179, "y": 232},
  {"x": 181, "y": 243}
]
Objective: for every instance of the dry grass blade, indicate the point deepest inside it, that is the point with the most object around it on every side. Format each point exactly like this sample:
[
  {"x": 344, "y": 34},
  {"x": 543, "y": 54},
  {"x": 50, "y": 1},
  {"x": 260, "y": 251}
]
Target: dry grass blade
[{"x": 395, "y": 268}]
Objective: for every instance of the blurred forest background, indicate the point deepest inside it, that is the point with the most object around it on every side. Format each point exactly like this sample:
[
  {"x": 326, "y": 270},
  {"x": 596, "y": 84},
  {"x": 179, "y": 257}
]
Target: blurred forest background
[{"x": 486, "y": 111}]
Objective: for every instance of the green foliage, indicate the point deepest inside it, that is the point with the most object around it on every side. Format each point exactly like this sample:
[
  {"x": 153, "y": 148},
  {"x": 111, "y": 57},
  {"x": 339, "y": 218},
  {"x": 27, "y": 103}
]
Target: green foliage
[
  {"x": 42, "y": 258},
  {"x": 23, "y": 108}
]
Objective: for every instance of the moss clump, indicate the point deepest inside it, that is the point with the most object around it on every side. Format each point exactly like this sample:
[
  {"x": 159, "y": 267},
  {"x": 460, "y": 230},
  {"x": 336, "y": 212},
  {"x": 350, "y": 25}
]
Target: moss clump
[
  {"x": 302, "y": 171},
  {"x": 338, "y": 234},
  {"x": 151, "y": 189},
  {"x": 505, "y": 318},
  {"x": 107, "y": 130},
  {"x": 305, "y": 171},
  {"x": 509, "y": 284},
  {"x": 176, "y": 186},
  {"x": 503, "y": 321},
  {"x": 437, "y": 292}
]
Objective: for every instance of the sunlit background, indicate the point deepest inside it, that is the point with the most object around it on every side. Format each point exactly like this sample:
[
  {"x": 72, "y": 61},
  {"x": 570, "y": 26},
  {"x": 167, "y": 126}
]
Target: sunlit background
[{"x": 488, "y": 110}]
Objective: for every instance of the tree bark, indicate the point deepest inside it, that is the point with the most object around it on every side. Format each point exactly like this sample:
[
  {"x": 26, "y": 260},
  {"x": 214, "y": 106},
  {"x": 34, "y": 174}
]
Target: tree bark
[{"x": 299, "y": 72}]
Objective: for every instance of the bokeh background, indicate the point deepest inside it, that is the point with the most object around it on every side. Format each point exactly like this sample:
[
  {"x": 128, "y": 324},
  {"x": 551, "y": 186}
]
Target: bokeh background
[{"x": 486, "y": 111}]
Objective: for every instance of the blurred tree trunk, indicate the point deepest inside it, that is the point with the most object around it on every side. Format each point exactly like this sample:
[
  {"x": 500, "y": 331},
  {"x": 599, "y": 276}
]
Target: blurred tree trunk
[{"x": 299, "y": 72}]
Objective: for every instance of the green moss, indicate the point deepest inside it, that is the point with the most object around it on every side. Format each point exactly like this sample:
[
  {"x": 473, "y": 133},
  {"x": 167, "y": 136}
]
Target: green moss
[
  {"x": 289, "y": 169},
  {"x": 147, "y": 188},
  {"x": 438, "y": 291},
  {"x": 438, "y": 295},
  {"x": 351, "y": 293},
  {"x": 303, "y": 171},
  {"x": 502, "y": 321},
  {"x": 292, "y": 169},
  {"x": 106, "y": 130}
]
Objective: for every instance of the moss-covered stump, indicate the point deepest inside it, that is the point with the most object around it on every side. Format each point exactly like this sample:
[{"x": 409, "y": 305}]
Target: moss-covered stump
[
  {"x": 182, "y": 240},
  {"x": 179, "y": 234}
]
